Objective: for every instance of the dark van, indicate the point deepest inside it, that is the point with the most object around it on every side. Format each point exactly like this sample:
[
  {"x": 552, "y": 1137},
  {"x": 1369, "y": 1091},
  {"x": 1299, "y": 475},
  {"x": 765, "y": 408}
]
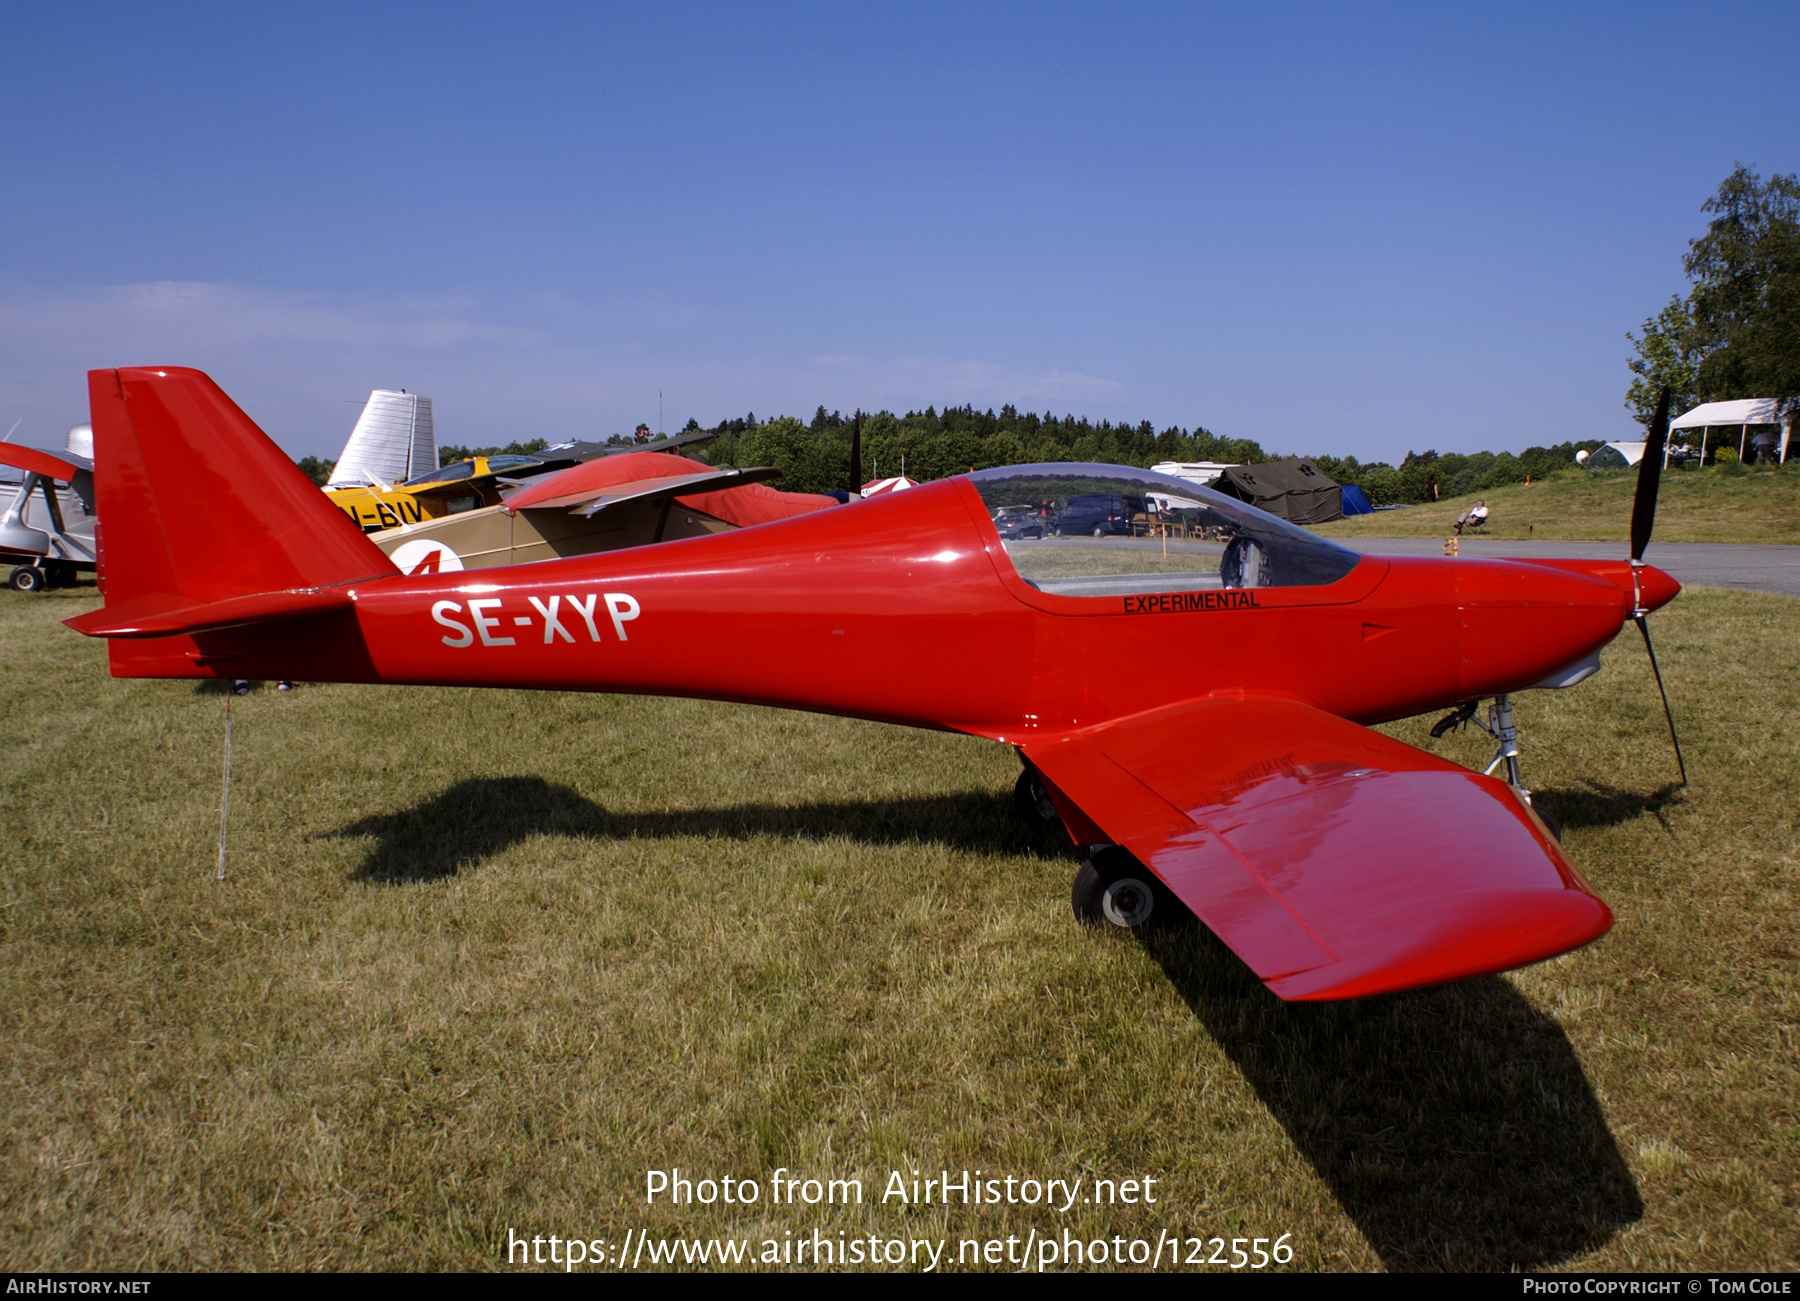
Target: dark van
[{"x": 1099, "y": 514}]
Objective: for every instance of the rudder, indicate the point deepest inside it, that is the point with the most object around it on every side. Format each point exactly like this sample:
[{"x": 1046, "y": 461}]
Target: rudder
[{"x": 198, "y": 506}]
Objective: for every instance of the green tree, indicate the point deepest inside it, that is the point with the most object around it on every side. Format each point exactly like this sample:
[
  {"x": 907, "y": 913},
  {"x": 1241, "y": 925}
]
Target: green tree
[
  {"x": 1668, "y": 357},
  {"x": 1746, "y": 300},
  {"x": 1737, "y": 334},
  {"x": 453, "y": 453}
]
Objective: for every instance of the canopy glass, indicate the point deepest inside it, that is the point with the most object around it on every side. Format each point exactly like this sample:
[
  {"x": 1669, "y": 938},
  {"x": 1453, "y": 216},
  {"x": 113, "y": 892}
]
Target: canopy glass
[{"x": 1109, "y": 530}]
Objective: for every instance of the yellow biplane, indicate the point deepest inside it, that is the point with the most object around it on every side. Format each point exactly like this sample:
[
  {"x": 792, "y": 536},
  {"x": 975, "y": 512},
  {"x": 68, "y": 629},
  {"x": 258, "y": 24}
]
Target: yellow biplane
[{"x": 448, "y": 490}]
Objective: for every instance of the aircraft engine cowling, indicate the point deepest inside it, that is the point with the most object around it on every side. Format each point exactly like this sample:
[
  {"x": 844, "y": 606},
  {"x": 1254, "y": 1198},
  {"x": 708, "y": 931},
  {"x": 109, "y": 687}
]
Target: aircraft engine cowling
[{"x": 1521, "y": 624}]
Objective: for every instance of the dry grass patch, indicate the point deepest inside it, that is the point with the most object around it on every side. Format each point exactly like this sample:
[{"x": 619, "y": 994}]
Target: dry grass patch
[{"x": 484, "y": 957}]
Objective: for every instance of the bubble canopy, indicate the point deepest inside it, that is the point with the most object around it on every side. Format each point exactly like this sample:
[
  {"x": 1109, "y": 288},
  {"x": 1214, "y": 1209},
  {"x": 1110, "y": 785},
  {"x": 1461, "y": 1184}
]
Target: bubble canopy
[{"x": 1105, "y": 529}]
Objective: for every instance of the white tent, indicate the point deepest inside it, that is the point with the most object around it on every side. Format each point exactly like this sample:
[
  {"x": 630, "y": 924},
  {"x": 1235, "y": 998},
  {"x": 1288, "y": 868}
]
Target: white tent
[
  {"x": 1630, "y": 454},
  {"x": 1203, "y": 473},
  {"x": 1743, "y": 412}
]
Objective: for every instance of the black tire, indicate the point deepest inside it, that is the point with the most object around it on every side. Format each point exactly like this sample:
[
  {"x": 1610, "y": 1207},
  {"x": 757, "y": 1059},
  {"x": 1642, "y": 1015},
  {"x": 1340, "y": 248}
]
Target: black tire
[
  {"x": 59, "y": 573},
  {"x": 26, "y": 578},
  {"x": 1113, "y": 888},
  {"x": 1099, "y": 532},
  {"x": 1552, "y": 823},
  {"x": 1031, "y": 801}
]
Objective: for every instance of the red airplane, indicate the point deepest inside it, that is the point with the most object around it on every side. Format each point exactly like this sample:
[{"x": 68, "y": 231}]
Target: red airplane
[{"x": 1212, "y": 728}]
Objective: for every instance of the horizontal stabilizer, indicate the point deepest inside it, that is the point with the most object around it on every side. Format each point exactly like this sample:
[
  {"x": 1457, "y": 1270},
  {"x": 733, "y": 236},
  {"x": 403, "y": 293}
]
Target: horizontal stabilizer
[
  {"x": 1335, "y": 861},
  {"x": 153, "y": 616}
]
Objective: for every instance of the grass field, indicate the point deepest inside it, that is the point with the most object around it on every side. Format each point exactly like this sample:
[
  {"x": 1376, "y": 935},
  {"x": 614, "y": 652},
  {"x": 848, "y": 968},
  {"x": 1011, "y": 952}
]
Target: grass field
[
  {"x": 482, "y": 958},
  {"x": 1722, "y": 505},
  {"x": 1080, "y": 557}
]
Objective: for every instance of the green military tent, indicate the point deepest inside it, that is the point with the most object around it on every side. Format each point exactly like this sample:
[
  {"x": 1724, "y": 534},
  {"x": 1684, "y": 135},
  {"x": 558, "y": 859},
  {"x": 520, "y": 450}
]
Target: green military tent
[{"x": 1296, "y": 490}]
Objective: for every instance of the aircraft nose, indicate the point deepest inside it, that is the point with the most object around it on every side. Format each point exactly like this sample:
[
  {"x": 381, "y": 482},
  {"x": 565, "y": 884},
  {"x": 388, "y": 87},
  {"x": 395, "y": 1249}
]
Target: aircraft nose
[
  {"x": 1655, "y": 588},
  {"x": 1521, "y": 622}
]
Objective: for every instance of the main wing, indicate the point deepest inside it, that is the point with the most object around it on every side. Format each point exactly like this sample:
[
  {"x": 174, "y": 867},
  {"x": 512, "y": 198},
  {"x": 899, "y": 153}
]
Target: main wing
[{"x": 1336, "y": 862}]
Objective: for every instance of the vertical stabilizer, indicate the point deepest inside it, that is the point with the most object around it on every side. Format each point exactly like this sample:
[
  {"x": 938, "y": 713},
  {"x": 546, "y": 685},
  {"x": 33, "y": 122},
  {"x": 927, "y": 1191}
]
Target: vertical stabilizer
[
  {"x": 198, "y": 506},
  {"x": 393, "y": 441}
]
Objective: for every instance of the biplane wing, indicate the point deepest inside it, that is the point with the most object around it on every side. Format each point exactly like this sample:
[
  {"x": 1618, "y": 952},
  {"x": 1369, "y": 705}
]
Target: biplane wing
[
  {"x": 1335, "y": 861},
  {"x": 590, "y": 501}
]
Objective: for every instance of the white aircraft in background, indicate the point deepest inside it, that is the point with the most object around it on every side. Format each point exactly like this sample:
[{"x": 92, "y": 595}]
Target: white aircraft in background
[{"x": 47, "y": 529}]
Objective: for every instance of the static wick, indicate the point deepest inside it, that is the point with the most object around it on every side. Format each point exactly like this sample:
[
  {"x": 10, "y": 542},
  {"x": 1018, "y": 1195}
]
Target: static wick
[{"x": 225, "y": 794}]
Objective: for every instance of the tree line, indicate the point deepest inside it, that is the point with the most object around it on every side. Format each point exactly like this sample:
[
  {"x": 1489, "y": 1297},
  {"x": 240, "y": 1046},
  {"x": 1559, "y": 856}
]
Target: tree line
[{"x": 814, "y": 456}]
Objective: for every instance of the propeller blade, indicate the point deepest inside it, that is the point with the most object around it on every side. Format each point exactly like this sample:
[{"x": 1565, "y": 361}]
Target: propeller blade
[
  {"x": 1643, "y": 506},
  {"x": 1644, "y": 627},
  {"x": 856, "y": 479}
]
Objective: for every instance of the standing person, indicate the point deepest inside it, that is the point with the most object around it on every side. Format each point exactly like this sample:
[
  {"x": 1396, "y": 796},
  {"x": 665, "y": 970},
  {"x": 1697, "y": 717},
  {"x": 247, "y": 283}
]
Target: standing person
[{"x": 1431, "y": 488}]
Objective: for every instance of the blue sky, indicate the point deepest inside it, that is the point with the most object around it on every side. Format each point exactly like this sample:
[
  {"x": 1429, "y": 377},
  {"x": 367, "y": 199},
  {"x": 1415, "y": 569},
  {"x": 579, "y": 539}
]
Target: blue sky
[{"x": 1353, "y": 229}]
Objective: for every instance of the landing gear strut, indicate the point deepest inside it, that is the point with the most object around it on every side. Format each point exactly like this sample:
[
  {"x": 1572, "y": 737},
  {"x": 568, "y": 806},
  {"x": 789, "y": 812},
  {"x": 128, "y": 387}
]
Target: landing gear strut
[{"x": 1500, "y": 726}]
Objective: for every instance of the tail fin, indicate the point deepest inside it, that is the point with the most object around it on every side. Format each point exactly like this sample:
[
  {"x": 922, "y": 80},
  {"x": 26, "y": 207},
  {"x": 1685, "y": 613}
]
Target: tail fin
[
  {"x": 204, "y": 521},
  {"x": 392, "y": 441}
]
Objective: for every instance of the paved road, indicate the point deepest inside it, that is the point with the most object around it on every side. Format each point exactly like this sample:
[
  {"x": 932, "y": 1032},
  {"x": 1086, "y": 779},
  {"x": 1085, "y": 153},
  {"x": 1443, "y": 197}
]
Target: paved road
[{"x": 1746, "y": 566}]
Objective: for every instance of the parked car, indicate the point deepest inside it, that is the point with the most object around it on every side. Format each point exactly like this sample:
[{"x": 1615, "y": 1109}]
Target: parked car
[
  {"x": 1100, "y": 514},
  {"x": 1015, "y": 522}
]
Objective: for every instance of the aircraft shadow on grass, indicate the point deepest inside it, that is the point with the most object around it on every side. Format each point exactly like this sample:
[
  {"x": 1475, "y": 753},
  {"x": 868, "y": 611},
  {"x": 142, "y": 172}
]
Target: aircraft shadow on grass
[
  {"x": 1454, "y": 1125},
  {"x": 476, "y": 819},
  {"x": 1595, "y": 804}
]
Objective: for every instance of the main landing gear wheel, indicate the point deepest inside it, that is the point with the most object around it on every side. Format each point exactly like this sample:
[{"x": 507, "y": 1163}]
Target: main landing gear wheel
[
  {"x": 1031, "y": 801},
  {"x": 1552, "y": 823},
  {"x": 26, "y": 578},
  {"x": 1114, "y": 888}
]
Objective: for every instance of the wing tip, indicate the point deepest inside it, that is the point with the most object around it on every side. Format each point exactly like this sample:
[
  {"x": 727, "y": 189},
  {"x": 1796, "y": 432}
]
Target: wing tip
[{"x": 1496, "y": 934}]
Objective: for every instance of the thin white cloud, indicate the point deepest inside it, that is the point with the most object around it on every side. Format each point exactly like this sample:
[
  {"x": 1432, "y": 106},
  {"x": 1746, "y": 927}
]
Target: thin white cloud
[
  {"x": 541, "y": 366},
  {"x": 197, "y": 314}
]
